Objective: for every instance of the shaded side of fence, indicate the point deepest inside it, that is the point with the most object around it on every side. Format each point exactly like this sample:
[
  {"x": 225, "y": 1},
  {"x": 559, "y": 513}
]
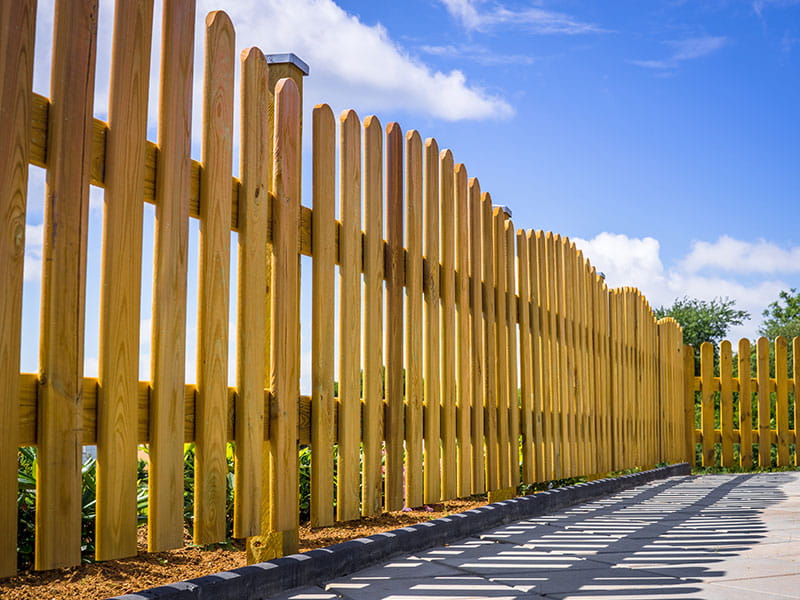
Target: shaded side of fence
[
  {"x": 471, "y": 356},
  {"x": 744, "y": 404}
]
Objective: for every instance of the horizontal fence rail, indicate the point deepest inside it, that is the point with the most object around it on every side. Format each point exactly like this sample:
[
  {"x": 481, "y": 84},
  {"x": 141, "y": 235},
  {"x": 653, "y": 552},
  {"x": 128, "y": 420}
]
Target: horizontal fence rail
[
  {"x": 744, "y": 404},
  {"x": 466, "y": 356}
]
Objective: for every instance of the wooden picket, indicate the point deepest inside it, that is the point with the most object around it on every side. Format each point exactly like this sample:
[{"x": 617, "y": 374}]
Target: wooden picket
[{"x": 489, "y": 345}]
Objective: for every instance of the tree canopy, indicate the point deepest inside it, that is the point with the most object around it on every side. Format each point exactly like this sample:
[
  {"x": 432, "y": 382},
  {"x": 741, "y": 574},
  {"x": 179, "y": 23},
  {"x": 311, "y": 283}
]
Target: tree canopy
[
  {"x": 704, "y": 320},
  {"x": 782, "y": 317}
]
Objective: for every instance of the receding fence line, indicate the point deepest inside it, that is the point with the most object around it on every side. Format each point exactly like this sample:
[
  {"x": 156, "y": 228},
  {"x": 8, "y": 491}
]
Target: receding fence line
[{"x": 472, "y": 356}]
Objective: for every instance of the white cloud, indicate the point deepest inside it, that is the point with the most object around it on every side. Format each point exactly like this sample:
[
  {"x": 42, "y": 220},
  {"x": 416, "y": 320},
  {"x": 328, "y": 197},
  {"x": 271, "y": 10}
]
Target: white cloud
[
  {"x": 630, "y": 261},
  {"x": 730, "y": 254},
  {"x": 479, "y": 55},
  {"x": 534, "y": 19},
  {"x": 683, "y": 50},
  {"x": 34, "y": 237},
  {"x": 354, "y": 64}
]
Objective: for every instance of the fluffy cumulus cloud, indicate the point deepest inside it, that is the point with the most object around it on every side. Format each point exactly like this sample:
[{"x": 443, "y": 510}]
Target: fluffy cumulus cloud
[
  {"x": 356, "y": 64},
  {"x": 631, "y": 261}
]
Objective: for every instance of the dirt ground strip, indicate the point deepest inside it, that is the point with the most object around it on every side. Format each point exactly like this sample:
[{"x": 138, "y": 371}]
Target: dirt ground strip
[{"x": 94, "y": 581}]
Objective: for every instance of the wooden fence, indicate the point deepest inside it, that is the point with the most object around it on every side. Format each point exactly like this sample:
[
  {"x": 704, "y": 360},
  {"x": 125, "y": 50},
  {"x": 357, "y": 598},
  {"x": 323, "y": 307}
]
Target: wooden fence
[
  {"x": 471, "y": 356},
  {"x": 744, "y": 405}
]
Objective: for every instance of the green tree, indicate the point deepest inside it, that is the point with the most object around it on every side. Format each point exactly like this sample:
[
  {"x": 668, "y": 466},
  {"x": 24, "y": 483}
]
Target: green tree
[
  {"x": 704, "y": 320},
  {"x": 782, "y": 317}
]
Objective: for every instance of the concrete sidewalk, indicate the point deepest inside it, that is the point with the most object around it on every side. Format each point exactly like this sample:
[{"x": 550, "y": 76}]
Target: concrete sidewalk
[{"x": 710, "y": 537}]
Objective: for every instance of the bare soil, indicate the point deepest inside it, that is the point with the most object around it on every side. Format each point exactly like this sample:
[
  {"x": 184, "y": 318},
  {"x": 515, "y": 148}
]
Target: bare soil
[{"x": 94, "y": 581}]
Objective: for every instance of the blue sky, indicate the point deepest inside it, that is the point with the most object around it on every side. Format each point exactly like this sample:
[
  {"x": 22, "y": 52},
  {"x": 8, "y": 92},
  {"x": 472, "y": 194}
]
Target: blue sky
[{"x": 661, "y": 135}]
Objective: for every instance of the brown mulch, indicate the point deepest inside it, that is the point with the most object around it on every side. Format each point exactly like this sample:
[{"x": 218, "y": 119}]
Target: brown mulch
[{"x": 94, "y": 581}]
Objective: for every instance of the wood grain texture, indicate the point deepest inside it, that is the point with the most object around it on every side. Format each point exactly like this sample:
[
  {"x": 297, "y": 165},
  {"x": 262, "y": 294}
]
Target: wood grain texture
[
  {"x": 214, "y": 280},
  {"x": 168, "y": 341},
  {"x": 501, "y": 346},
  {"x": 513, "y": 372},
  {"x": 448, "y": 322},
  {"x": 745, "y": 404},
  {"x": 431, "y": 350},
  {"x": 69, "y": 135},
  {"x": 782, "y": 399},
  {"x": 348, "y": 492},
  {"x": 413, "y": 322},
  {"x": 726, "y": 402},
  {"x": 394, "y": 270},
  {"x": 372, "y": 479},
  {"x": 463, "y": 335},
  {"x": 477, "y": 340},
  {"x": 252, "y": 297},
  {"x": 707, "y": 401},
  {"x": 763, "y": 396},
  {"x": 118, "y": 370},
  {"x": 322, "y": 314},
  {"x": 493, "y": 481},
  {"x": 525, "y": 358},
  {"x": 17, "y": 30},
  {"x": 285, "y": 313},
  {"x": 537, "y": 349}
]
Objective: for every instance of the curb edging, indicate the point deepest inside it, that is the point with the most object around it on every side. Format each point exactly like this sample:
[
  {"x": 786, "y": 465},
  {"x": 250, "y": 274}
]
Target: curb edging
[{"x": 259, "y": 581}]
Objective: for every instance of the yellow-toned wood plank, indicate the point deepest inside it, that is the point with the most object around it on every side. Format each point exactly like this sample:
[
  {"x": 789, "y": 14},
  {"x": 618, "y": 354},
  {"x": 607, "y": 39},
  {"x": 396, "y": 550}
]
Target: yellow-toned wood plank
[
  {"x": 726, "y": 402},
  {"x": 58, "y": 484},
  {"x": 431, "y": 349},
  {"x": 745, "y": 404},
  {"x": 512, "y": 373},
  {"x": 569, "y": 378},
  {"x": 762, "y": 393},
  {"x": 525, "y": 358},
  {"x": 463, "y": 335},
  {"x": 707, "y": 402},
  {"x": 537, "y": 349},
  {"x": 547, "y": 321},
  {"x": 501, "y": 346},
  {"x": 371, "y": 485},
  {"x": 285, "y": 313},
  {"x": 394, "y": 270},
  {"x": 477, "y": 340},
  {"x": 322, "y": 307},
  {"x": 172, "y": 189},
  {"x": 413, "y": 325},
  {"x": 564, "y": 439},
  {"x": 348, "y": 492},
  {"x": 796, "y": 395},
  {"x": 211, "y": 467},
  {"x": 17, "y": 30},
  {"x": 782, "y": 399},
  {"x": 448, "y": 322},
  {"x": 490, "y": 373}
]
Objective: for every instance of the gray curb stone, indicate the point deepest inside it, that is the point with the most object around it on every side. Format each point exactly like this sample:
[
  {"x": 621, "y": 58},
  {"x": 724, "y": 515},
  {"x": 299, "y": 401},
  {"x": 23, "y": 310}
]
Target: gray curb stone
[{"x": 260, "y": 581}]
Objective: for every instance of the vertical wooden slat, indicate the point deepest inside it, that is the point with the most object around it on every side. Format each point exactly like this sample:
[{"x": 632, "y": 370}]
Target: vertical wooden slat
[
  {"x": 371, "y": 484},
  {"x": 745, "y": 404},
  {"x": 347, "y": 483},
  {"x": 448, "y": 323},
  {"x": 490, "y": 373},
  {"x": 118, "y": 370},
  {"x": 323, "y": 238},
  {"x": 431, "y": 363},
  {"x": 726, "y": 401},
  {"x": 17, "y": 30},
  {"x": 463, "y": 346},
  {"x": 394, "y": 269},
  {"x": 59, "y": 423},
  {"x": 285, "y": 315},
  {"x": 762, "y": 375},
  {"x": 253, "y": 221},
  {"x": 513, "y": 376},
  {"x": 796, "y": 396},
  {"x": 211, "y": 466},
  {"x": 563, "y": 438},
  {"x": 501, "y": 346},
  {"x": 413, "y": 331},
  {"x": 525, "y": 358},
  {"x": 782, "y": 399},
  {"x": 165, "y": 477},
  {"x": 477, "y": 341},
  {"x": 689, "y": 402},
  {"x": 537, "y": 349},
  {"x": 707, "y": 401},
  {"x": 567, "y": 303},
  {"x": 549, "y": 356}
]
